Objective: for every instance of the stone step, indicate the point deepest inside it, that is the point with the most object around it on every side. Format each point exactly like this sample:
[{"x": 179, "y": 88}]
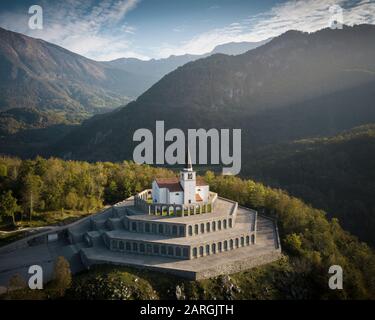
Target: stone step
[{"x": 115, "y": 223}]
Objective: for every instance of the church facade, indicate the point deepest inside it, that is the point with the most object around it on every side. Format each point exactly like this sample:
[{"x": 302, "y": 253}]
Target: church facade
[{"x": 186, "y": 189}]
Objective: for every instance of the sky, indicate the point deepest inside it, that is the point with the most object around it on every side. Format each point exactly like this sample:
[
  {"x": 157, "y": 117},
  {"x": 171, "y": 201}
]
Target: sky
[{"x": 154, "y": 29}]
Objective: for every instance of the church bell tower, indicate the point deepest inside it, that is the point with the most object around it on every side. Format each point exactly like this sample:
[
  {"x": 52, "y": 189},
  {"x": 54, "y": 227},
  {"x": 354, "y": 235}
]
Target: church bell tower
[{"x": 188, "y": 180}]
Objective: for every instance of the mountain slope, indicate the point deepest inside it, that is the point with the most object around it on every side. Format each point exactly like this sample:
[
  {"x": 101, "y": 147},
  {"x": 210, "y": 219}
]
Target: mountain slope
[
  {"x": 335, "y": 174},
  {"x": 35, "y": 73},
  {"x": 297, "y": 85},
  {"x": 153, "y": 70}
]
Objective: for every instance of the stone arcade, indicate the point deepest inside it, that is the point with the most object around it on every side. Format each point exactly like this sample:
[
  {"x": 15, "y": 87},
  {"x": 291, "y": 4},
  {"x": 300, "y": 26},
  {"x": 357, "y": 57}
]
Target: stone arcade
[{"x": 180, "y": 227}]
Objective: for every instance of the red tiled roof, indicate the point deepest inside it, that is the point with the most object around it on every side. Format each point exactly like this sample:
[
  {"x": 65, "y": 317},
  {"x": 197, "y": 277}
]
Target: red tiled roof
[
  {"x": 201, "y": 181},
  {"x": 198, "y": 197},
  {"x": 172, "y": 184}
]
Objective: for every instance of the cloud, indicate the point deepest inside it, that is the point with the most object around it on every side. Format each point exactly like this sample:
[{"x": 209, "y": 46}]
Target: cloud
[
  {"x": 95, "y": 30},
  {"x": 99, "y": 30},
  {"x": 307, "y": 15}
]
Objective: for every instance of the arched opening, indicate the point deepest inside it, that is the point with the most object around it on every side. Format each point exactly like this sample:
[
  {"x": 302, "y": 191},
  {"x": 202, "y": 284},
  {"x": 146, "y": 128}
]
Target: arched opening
[
  {"x": 220, "y": 246},
  {"x": 195, "y": 252},
  {"x": 190, "y": 230},
  {"x": 202, "y": 227},
  {"x": 213, "y": 248},
  {"x": 156, "y": 249},
  {"x": 252, "y": 239},
  {"x": 181, "y": 231},
  {"x": 135, "y": 246},
  {"x": 201, "y": 251},
  {"x": 225, "y": 245},
  {"x": 224, "y": 224},
  {"x": 207, "y": 249},
  {"x": 170, "y": 251},
  {"x": 231, "y": 244},
  {"x": 196, "y": 229},
  {"x": 163, "y": 250},
  {"x": 230, "y": 223},
  {"x": 178, "y": 251},
  {"x": 219, "y": 225},
  {"x": 213, "y": 226},
  {"x": 208, "y": 227},
  {"x": 247, "y": 240},
  {"x": 237, "y": 243},
  {"x": 242, "y": 241},
  {"x": 142, "y": 247},
  {"x": 174, "y": 230}
]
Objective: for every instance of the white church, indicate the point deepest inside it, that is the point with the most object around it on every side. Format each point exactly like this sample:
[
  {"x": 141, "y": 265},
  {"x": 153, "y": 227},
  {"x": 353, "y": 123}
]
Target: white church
[{"x": 187, "y": 189}]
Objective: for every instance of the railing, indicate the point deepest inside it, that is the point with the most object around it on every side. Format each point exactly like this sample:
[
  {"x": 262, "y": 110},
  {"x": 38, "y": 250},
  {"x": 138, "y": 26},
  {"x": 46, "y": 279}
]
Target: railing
[{"x": 143, "y": 201}]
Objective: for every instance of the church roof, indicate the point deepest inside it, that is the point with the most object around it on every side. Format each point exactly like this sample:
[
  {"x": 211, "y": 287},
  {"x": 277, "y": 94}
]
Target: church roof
[
  {"x": 201, "y": 182},
  {"x": 198, "y": 198},
  {"x": 172, "y": 184}
]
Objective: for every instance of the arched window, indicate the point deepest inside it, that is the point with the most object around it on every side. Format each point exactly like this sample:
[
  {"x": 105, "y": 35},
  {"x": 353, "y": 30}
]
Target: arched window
[
  {"x": 185, "y": 252},
  {"x": 207, "y": 249},
  {"x": 195, "y": 252},
  {"x": 208, "y": 227},
  {"x": 135, "y": 246},
  {"x": 242, "y": 241},
  {"x": 163, "y": 250},
  {"x": 201, "y": 250},
  {"x": 196, "y": 229},
  {"x": 142, "y": 247},
  {"x": 178, "y": 251},
  {"x": 220, "y": 246},
  {"x": 224, "y": 224},
  {"x": 230, "y": 223},
  {"x": 231, "y": 244},
  {"x": 219, "y": 225},
  {"x": 213, "y": 248},
  {"x": 225, "y": 245},
  {"x": 202, "y": 227},
  {"x": 174, "y": 230},
  {"x": 247, "y": 240},
  {"x": 170, "y": 251},
  {"x": 190, "y": 230},
  {"x": 237, "y": 243},
  {"x": 213, "y": 226},
  {"x": 181, "y": 230},
  {"x": 252, "y": 239}
]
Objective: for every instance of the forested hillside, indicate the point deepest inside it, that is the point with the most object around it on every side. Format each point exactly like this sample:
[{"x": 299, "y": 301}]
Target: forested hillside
[
  {"x": 334, "y": 173},
  {"x": 311, "y": 242}
]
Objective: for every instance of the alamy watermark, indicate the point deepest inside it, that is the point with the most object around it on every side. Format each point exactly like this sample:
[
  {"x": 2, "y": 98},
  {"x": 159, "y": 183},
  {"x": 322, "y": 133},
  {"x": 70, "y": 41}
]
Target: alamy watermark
[
  {"x": 335, "y": 282},
  {"x": 36, "y": 279},
  {"x": 336, "y": 19},
  {"x": 36, "y": 20},
  {"x": 174, "y": 153}
]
